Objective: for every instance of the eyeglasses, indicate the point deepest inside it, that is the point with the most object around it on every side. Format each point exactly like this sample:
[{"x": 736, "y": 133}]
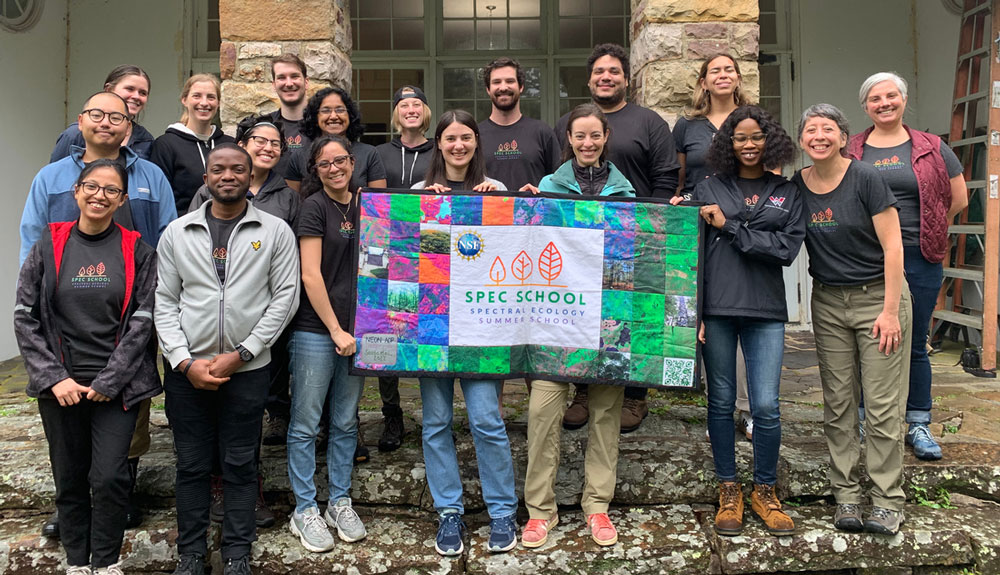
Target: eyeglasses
[
  {"x": 262, "y": 141},
  {"x": 757, "y": 138},
  {"x": 338, "y": 161},
  {"x": 338, "y": 110},
  {"x": 110, "y": 192},
  {"x": 97, "y": 114}
]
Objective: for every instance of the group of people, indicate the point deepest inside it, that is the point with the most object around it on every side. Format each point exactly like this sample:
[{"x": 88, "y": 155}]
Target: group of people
[{"x": 248, "y": 291}]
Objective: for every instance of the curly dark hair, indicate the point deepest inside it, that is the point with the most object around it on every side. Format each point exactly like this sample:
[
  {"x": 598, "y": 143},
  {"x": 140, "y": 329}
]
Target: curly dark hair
[
  {"x": 312, "y": 184},
  {"x": 310, "y": 118},
  {"x": 779, "y": 149},
  {"x": 613, "y": 50}
]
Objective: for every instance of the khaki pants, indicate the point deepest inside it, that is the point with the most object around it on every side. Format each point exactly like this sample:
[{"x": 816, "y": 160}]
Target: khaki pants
[
  {"x": 842, "y": 323},
  {"x": 546, "y": 406},
  {"x": 140, "y": 438}
]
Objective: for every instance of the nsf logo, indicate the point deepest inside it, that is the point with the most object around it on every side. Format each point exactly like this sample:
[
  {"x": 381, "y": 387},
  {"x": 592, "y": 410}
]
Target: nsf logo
[{"x": 469, "y": 245}]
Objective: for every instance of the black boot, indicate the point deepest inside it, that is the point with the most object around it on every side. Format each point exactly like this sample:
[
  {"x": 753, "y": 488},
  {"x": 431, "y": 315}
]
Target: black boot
[
  {"x": 135, "y": 516},
  {"x": 51, "y": 527},
  {"x": 392, "y": 428}
]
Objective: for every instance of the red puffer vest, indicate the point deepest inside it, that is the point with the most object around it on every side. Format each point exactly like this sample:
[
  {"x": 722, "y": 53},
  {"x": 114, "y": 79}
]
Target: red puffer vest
[{"x": 934, "y": 186}]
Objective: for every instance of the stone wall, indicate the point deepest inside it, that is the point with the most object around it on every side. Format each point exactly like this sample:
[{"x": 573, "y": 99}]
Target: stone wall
[
  {"x": 671, "y": 38},
  {"x": 319, "y": 31}
]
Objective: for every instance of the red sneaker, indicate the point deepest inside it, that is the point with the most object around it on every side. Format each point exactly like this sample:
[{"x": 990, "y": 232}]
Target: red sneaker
[
  {"x": 602, "y": 530},
  {"x": 536, "y": 532}
]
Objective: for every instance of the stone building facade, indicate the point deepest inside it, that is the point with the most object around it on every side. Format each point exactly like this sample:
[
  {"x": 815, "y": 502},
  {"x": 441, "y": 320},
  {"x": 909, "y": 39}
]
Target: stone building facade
[{"x": 669, "y": 40}]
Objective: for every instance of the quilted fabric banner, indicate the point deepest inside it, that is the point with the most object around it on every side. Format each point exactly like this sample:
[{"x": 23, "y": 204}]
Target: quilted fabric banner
[{"x": 583, "y": 290}]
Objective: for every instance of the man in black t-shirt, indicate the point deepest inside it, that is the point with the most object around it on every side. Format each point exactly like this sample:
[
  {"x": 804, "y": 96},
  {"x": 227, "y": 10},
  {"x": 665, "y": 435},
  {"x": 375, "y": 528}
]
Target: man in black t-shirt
[
  {"x": 290, "y": 82},
  {"x": 642, "y": 147},
  {"x": 518, "y": 150}
]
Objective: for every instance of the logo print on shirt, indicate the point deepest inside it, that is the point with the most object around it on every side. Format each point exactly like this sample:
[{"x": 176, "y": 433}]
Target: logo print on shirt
[
  {"x": 255, "y": 245},
  {"x": 292, "y": 142},
  {"x": 219, "y": 254},
  {"x": 823, "y": 221},
  {"x": 776, "y": 202},
  {"x": 892, "y": 163},
  {"x": 751, "y": 201},
  {"x": 90, "y": 277},
  {"x": 507, "y": 151}
]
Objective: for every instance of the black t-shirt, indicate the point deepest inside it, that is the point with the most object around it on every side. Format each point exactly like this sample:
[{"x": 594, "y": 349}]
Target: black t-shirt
[
  {"x": 753, "y": 189},
  {"x": 323, "y": 217},
  {"x": 896, "y": 167},
  {"x": 641, "y": 147},
  {"x": 521, "y": 153},
  {"x": 840, "y": 234},
  {"x": 693, "y": 138},
  {"x": 89, "y": 297},
  {"x": 294, "y": 139},
  {"x": 221, "y": 230},
  {"x": 367, "y": 165}
]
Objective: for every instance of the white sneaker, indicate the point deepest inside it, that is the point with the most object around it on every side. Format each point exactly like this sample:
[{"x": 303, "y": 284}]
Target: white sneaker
[
  {"x": 110, "y": 570},
  {"x": 745, "y": 424},
  {"x": 342, "y": 516},
  {"x": 78, "y": 570},
  {"x": 311, "y": 530}
]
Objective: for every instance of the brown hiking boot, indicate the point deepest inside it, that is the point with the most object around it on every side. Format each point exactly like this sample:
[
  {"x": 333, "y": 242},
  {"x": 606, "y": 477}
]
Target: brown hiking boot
[
  {"x": 729, "y": 519},
  {"x": 765, "y": 504},
  {"x": 633, "y": 412},
  {"x": 578, "y": 413}
]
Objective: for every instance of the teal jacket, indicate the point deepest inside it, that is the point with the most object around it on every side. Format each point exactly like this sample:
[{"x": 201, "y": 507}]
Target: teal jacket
[{"x": 563, "y": 181}]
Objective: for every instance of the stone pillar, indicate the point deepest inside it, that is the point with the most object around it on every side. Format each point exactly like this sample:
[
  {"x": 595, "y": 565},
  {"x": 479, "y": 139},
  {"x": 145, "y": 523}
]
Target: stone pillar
[
  {"x": 671, "y": 38},
  {"x": 253, "y": 32}
]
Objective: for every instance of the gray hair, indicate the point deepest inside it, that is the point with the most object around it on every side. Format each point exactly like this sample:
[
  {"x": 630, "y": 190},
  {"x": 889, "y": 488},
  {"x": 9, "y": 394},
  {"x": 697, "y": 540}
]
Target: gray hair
[
  {"x": 828, "y": 111},
  {"x": 878, "y": 78}
]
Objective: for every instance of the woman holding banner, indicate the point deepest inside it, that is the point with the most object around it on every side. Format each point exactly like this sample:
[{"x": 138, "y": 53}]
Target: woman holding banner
[
  {"x": 321, "y": 347},
  {"x": 458, "y": 163},
  {"x": 585, "y": 172},
  {"x": 755, "y": 227}
]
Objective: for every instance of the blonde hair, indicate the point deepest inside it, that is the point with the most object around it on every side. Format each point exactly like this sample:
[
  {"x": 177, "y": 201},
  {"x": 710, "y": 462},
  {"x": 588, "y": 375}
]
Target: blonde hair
[
  {"x": 194, "y": 80},
  {"x": 701, "y": 102},
  {"x": 425, "y": 121}
]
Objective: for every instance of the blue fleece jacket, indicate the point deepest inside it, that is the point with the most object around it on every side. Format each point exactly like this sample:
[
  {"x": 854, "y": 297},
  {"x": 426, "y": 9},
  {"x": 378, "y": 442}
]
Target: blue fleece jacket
[{"x": 51, "y": 198}]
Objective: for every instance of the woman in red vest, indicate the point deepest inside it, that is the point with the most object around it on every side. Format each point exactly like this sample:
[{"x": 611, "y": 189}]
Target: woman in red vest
[
  {"x": 926, "y": 178},
  {"x": 83, "y": 322}
]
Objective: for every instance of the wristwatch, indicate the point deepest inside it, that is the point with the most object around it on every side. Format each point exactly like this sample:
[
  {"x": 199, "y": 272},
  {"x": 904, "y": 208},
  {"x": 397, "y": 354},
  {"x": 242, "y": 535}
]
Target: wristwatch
[{"x": 245, "y": 354}]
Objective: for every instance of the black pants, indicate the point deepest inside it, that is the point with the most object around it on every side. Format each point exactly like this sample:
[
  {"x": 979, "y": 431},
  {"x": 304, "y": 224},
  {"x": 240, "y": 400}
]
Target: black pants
[
  {"x": 278, "y": 401},
  {"x": 388, "y": 388},
  {"x": 203, "y": 421},
  {"x": 630, "y": 392},
  {"x": 88, "y": 448}
]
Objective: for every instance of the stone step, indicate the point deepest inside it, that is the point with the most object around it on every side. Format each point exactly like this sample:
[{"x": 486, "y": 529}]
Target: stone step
[
  {"x": 675, "y": 539},
  {"x": 667, "y": 461}
]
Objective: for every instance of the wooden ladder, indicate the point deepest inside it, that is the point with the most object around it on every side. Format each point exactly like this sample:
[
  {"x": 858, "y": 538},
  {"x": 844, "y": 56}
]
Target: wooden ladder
[{"x": 976, "y": 141}]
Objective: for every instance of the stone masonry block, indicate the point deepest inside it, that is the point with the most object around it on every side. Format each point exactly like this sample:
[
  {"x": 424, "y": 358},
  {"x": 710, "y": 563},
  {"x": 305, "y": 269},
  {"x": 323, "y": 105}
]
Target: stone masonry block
[
  {"x": 702, "y": 30},
  {"x": 745, "y": 41},
  {"x": 325, "y": 62},
  {"x": 259, "y": 50},
  {"x": 699, "y": 11},
  {"x": 227, "y": 60},
  {"x": 267, "y": 20},
  {"x": 656, "y": 42},
  {"x": 702, "y": 49}
]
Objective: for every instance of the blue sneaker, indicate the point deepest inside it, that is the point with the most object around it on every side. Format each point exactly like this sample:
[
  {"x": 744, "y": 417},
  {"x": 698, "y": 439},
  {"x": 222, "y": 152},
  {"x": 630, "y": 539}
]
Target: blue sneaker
[
  {"x": 503, "y": 534},
  {"x": 924, "y": 447},
  {"x": 449, "y": 537}
]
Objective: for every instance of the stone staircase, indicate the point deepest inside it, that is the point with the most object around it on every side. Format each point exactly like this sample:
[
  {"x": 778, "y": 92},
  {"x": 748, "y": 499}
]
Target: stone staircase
[{"x": 663, "y": 508}]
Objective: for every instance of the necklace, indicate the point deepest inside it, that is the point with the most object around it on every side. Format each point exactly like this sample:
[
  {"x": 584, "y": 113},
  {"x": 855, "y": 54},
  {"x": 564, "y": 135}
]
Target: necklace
[{"x": 346, "y": 227}]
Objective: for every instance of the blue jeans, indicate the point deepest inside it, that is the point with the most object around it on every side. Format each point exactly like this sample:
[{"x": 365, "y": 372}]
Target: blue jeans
[
  {"x": 925, "y": 280},
  {"x": 763, "y": 344},
  {"x": 496, "y": 468},
  {"x": 316, "y": 368}
]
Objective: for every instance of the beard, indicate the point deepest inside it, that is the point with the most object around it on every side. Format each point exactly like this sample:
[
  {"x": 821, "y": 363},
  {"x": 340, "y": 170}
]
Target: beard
[
  {"x": 514, "y": 100},
  {"x": 229, "y": 198},
  {"x": 616, "y": 97}
]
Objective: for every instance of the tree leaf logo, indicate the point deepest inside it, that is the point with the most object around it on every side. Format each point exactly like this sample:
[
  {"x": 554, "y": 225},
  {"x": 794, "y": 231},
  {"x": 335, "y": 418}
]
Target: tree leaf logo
[
  {"x": 521, "y": 267},
  {"x": 90, "y": 270},
  {"x": 498, "y": 272},
  {"x": 100, "y": 268},
  {"x": 550, "y": 263}
]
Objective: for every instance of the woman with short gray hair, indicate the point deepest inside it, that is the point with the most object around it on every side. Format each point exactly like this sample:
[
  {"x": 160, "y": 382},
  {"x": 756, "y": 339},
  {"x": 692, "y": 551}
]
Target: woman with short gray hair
[
  {"x": 861, "y": 318},
  {"x": 925, "y": 176}
]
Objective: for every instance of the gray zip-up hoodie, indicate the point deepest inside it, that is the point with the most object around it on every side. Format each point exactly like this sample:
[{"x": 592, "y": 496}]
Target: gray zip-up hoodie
[{"x": 196, "y": 316}]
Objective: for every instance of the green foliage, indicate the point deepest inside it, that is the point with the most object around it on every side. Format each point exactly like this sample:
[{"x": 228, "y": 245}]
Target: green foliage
[
  {"x": 939, "y": 499},
  {"x": 434, "y": 242},
  {"x": 951, "y": 429}
]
